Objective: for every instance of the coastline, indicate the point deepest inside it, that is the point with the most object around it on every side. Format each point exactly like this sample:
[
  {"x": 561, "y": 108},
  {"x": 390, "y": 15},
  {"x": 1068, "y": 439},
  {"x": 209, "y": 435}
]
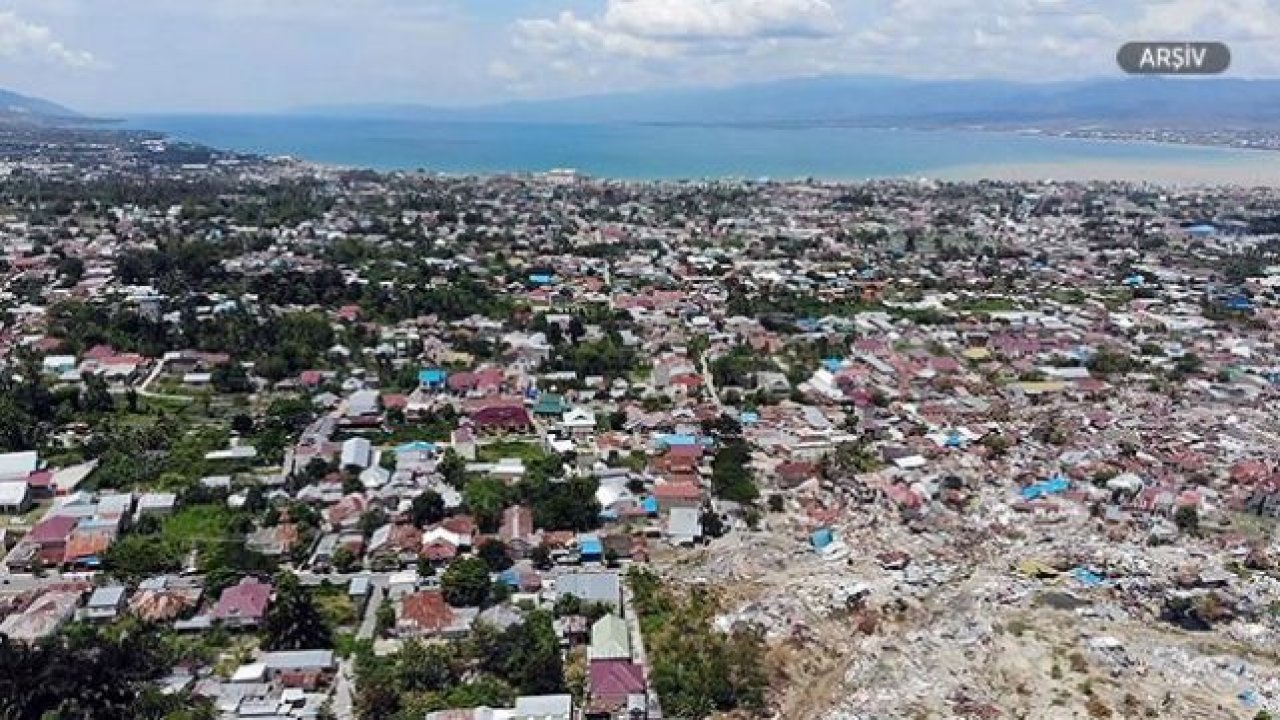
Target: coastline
[{"x": 1258, "y": 172}]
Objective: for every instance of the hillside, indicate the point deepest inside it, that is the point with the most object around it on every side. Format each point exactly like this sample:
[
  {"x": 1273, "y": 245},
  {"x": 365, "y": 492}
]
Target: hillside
[{"x": 14, "y": 107}]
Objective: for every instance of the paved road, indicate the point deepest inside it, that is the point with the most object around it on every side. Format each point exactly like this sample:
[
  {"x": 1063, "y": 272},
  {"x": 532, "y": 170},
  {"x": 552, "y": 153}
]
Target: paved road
[
  {"x": 370, "y": 621},
  {"x": 343, "y": 690},
  {"x": 155, "y": 373}
]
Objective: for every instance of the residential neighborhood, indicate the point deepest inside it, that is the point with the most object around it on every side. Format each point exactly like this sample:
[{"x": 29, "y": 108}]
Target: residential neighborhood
[{"x": 306, "y": 442}]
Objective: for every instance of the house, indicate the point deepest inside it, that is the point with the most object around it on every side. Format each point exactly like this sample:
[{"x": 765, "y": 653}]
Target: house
[
  {"x": 18, "y": 465},
  {"x": 86, "y": 546},
  {"x": 578, "y": 422},
  {"x": 105, "y": 603},
  {"x": 156, "y": 504},
  {"x": 50, "y": 537},
  {"x": 610, "y": 639},
  {"x": 426, "y": 614},
  {"x": 591, "y": 587},
  {"x": 542, "y": 707},
  {"x": 684, "y": 526},
  {"x": 677, "y": 495},
  {"x": 501, "y": 419},
  {"x": 356, "y": 452},
  {"x": 299, "y": 668},
  {"x": 550, "y": 405},
  {"x": 243, "y": 605},
  {"x": 15, "y": 497},
  {"x": 615, "y": 688},
  {"x": 42, "y": 617}
]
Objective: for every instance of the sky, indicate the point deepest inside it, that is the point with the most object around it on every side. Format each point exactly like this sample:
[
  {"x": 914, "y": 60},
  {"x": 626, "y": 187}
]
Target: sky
[{"x": 228, "y": 56}]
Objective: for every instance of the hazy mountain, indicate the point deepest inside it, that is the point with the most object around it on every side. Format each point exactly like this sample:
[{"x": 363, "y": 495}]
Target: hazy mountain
[
  {"x": 888, "y": 101},
  {"x": 21, "y": 107}
]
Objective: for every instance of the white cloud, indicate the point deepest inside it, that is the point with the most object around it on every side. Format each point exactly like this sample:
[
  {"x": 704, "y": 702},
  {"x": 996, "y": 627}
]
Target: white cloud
[
  {"x": 712, "y": 19},
  {"x": 22, "y": 40},
  {"x": 666, "y": 29}
]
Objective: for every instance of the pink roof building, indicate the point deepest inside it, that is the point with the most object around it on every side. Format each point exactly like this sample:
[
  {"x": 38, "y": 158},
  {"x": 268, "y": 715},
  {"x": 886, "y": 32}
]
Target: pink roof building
[{"x": 243, "y": 603}]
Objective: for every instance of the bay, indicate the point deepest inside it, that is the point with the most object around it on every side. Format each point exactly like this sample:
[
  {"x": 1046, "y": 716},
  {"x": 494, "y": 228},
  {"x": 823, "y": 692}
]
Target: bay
[{"x": 647, "y": 152}]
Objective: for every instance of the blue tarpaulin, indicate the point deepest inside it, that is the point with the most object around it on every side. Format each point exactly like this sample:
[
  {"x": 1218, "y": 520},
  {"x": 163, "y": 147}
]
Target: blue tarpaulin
[
  {"x": 821, "y": 538},
  {"x": 1086, "y": 577},
  {"x": 650, "y": 505},
  {"x": 1055, "y": 485},
  {"x": 432, "y": 377},
  {"x": 832, "y": 363}
]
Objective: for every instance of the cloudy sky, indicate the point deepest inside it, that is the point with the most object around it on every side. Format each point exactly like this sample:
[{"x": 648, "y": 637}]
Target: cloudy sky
[{"x": 259, "y": 55}]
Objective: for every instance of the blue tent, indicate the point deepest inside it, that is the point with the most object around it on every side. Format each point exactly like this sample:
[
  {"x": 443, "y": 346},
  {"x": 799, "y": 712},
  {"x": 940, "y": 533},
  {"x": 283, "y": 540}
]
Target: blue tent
[{"x": 821, "y": 538}]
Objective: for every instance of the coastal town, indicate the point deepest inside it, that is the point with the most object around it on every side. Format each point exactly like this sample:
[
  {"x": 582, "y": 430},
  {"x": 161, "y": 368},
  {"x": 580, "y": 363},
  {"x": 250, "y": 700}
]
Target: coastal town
[{"x": 280, "y": 440}]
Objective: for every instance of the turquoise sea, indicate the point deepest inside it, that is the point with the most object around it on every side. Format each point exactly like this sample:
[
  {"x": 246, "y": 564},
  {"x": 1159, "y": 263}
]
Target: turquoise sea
[{"x": 640, "y": 151}]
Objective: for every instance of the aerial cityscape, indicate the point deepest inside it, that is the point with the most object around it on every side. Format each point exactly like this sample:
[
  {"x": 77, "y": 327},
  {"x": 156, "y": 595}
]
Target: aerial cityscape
[{"x": 959, "y": 404}]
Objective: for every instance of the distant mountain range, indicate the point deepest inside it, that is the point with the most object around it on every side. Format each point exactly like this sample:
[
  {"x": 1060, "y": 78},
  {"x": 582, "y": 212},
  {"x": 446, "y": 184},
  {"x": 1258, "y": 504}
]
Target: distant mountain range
[
  {"x": 875, "y": 101},
  {"x": 15, "y": 107}
]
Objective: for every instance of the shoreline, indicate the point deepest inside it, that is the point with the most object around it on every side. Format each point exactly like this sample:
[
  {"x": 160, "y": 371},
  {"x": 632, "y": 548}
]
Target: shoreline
[{"x": 1253, "y": 174}]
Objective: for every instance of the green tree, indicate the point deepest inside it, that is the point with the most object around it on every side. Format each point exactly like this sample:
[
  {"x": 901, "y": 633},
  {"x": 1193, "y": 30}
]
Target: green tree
[
  {"x": 453, "y": 469},
  {"x": 344, "y": 560},
  {"x": 465, "y": 582},
  {"x": 426, "y": 668},
  {"x": 293, "y": 621},
  {"x": 485, "y": 498},
  {"x": 384, "y": 618},
  {"x": 427, "y": 508},
  {"x": 495, "y": 554},
  {"x": 1187, "y": 518}
]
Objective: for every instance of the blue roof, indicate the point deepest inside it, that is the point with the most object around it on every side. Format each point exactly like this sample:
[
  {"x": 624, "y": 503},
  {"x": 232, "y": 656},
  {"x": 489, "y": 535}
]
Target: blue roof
[
  {"x": 590, "y": 545},
  {"x": 674, "y": 439},
  {"x": 416, "y": 446},
  {"x": 650, "y": 504},
  {"x": 510, "y": 576},
  {"x": 821, "y": 538},
  {"x": 1135, "y": 280},
  {"x": 1202, "y": 229},
  {"x": 833, "y": 363},
  {"x": 748, "y": 417},
  {"x": 432, "y": 376},
  {"x": 541, "y": 279}
]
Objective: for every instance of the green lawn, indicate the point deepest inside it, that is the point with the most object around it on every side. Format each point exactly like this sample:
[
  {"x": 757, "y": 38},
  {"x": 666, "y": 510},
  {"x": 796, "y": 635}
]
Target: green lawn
[
  {"x": 526, "y": 451},
  {"x": 198, "y": 522}
]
